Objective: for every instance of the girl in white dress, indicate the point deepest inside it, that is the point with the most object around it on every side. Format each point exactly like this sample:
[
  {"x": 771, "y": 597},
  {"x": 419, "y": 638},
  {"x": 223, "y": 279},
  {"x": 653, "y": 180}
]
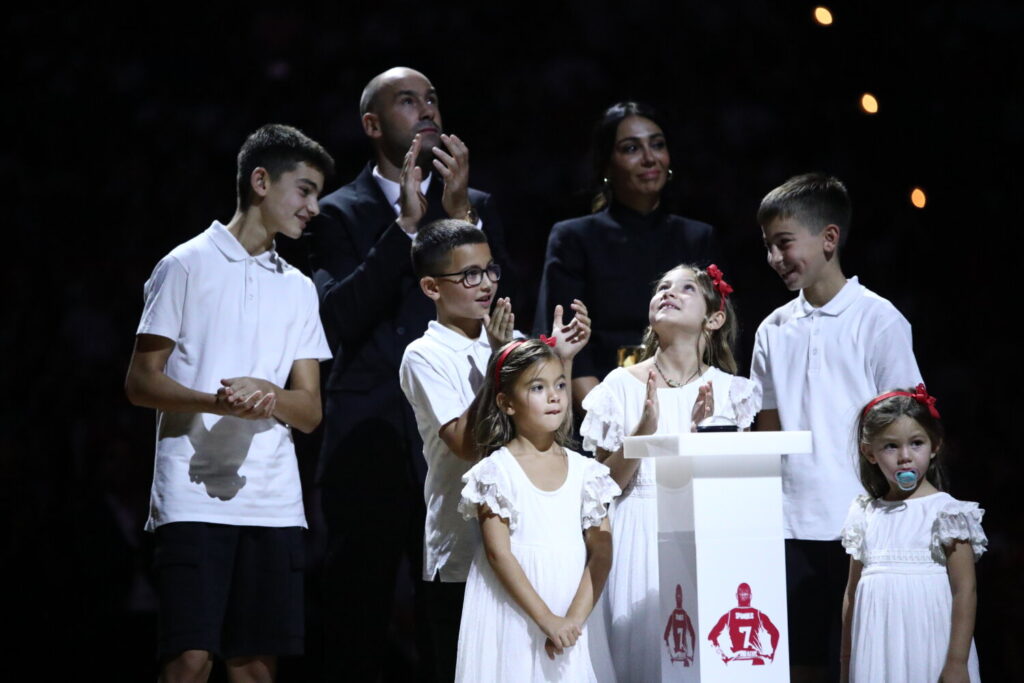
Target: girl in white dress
[
  {"x": 908, "y": 612},
  {"x": 543, "y": 517},
  {"x": 684, "y": 377}
]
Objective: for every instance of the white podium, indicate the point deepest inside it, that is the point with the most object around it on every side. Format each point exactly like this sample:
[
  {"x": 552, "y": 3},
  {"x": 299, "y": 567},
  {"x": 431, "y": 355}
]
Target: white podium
[{"x": 721, "y": 554}]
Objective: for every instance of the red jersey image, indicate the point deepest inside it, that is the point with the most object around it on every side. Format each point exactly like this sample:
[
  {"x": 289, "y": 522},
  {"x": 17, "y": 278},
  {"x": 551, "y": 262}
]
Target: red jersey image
[
  {"x": 684, "y": 640},
  {"x": 744, "y": 633}
]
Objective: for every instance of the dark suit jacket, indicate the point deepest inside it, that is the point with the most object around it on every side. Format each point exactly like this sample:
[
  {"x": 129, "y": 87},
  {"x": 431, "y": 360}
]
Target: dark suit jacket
[
  {"x": 609, "y": 260},
  {"x": 372, "y": 307}
]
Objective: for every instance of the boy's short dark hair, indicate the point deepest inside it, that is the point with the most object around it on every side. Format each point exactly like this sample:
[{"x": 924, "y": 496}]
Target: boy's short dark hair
[
  {"x": 434, "y": 242},
  {"x": 279, "y": 149},
  {"x": 814, "y": 199}
]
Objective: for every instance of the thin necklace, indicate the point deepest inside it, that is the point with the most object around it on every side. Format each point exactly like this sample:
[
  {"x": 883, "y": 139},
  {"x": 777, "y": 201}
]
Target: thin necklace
[{"x": 671, "y": 382}]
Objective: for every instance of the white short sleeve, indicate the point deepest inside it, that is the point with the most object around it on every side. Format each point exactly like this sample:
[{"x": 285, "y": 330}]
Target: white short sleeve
[
  {"x": 312, "y": 341},
  {"x": 426, "y": 386},
  {"x": 603, "y": 424},
  {"x": 745, "y": 396},
  {"x": 958, "y": 521},
  {"x": 760, "y": 373},
  {"x": 599, "y": 489},
  {"x": 487, "y": 483},
  {"x": 165, "y": 299},
  {"x": 892, "y": 359},
  {"x": 852, "y": 535}
]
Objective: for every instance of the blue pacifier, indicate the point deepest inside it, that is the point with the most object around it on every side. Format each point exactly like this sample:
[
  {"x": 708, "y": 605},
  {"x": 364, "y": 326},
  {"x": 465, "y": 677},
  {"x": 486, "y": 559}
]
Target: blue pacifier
[{"x": 906, "y": 480}]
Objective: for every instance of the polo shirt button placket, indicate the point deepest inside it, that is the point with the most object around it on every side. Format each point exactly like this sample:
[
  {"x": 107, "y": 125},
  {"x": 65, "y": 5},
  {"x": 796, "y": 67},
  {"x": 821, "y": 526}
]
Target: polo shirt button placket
[
  {"x": 250, "y": 284},
  {"x": 815, "y": 364}
]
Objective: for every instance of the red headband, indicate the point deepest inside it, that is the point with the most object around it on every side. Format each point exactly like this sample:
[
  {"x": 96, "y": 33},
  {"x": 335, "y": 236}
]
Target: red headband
[
  {"x": 723, "y": 288},
  {"x": 550, "y": 341},
  {"x": 920, "y": 395}
]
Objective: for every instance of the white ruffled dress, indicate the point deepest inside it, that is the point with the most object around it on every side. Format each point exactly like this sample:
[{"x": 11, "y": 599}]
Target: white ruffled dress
[
  {"x": 903, "y": 606},
  {"x": 497, "y": 640},
  {"x": 629, "y": 604}
]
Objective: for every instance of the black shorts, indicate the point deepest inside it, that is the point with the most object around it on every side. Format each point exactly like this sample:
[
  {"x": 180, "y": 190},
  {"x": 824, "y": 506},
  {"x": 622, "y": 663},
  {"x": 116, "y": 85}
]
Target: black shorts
[
  {"x": 233, "y": 591},
  {"x": 816, "y": 574}
]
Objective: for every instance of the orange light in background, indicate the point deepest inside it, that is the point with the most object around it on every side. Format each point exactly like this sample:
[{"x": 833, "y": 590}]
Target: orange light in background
[
  {"x": 869, "y": 103},
  {"x": 823, "y": 16},
  {"x": 917, "y": 198}
]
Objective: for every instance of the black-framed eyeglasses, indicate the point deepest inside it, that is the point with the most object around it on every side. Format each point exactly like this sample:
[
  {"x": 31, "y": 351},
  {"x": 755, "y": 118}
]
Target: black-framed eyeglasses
[{"x": 471, "y": 277}]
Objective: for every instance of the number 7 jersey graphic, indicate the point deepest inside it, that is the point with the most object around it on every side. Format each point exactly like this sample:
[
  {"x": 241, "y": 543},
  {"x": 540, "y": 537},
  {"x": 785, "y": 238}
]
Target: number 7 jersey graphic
[
  {"x": 744, "y": 633},
  {"x": 679, "y": 628}
]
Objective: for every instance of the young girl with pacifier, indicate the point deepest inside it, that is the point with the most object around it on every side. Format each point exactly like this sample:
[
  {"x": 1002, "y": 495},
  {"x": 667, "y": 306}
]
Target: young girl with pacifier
[
  {"x": 909, "y": 608},
  {"x": 686, "y": 375},
  {"x": 543, "y": 517}
]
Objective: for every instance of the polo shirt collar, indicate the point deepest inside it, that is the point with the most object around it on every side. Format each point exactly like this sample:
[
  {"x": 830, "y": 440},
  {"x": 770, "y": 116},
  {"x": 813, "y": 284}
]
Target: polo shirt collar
[
  {"x": 454, "y": 340},
  {"x": 234, "y": 251},
  {"x": 839, "y": 303},
  {"x": 392, "y": 190}
]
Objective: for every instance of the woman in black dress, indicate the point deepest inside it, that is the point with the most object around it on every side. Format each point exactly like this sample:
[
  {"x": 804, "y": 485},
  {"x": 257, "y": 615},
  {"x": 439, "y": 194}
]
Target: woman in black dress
[{"x": 610, "y": 258}]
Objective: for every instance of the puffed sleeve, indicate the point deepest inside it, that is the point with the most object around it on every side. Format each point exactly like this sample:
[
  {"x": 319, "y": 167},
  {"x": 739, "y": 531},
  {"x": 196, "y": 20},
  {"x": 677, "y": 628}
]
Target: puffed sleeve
[
  {"x": 487, "y": 483},
  {"x": 958, "y": 521},
  {"x": 603, "y": 424},
  {"x": 745, "y": 396},
  {"x": 599, "y": 489},
  {"x": 852, "y": 535}
]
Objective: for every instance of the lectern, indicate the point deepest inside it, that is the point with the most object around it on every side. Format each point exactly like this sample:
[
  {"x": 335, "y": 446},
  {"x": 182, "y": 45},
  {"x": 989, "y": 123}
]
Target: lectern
[{"x": 721, "y": 555}]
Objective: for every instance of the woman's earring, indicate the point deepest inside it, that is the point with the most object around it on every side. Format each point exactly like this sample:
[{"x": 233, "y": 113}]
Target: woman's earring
[
  {"x": 604, "y": 181},
  {"x": 670, "y": 174}
]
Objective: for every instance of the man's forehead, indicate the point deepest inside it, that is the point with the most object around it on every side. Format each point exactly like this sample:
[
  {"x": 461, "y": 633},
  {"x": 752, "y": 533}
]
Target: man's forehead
[{"x": 406, "y": 79}]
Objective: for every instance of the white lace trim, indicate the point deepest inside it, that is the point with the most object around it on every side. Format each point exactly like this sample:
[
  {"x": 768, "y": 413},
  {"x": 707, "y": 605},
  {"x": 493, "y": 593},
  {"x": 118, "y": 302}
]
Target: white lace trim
[
  {"x": 745, "y": 396},
  {"x": 602, "y": 427},
  {"x": 897, "y": 556},
  {"x": 484, "y": 484},
  {"x": 852, "y": 535},
  {"x": 599, "y": 489},
  {"x": 958, "y": 521}
]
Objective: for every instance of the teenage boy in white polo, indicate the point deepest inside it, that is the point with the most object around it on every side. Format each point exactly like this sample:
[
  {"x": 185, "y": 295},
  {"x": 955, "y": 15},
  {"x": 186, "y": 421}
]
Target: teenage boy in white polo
[{"x": 228, "y": 354}]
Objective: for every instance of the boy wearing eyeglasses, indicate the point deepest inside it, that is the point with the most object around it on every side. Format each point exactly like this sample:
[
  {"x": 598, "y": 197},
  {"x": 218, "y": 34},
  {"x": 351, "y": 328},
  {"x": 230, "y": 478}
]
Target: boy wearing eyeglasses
[{"x": 441, "y": 373}]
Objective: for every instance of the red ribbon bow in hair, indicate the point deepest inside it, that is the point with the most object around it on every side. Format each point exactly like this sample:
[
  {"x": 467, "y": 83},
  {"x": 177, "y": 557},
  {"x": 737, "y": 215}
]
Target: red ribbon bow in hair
[
  {"x": 723, "y": 288},
  {"x": 550, "y": 341},
  {"x": 922, "y": 396}
]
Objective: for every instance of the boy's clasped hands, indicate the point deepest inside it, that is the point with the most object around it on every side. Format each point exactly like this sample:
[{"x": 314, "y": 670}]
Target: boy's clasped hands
[{"x": 246, "y": 397}]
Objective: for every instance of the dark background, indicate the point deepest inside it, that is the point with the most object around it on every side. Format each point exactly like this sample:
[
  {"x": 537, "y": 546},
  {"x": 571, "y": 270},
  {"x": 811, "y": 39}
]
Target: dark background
[{"x": 122, "y": 132}]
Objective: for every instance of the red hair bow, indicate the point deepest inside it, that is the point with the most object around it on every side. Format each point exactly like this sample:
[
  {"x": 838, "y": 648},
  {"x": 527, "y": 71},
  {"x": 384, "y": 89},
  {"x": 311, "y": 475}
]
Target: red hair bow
[
  {"x": 723, "y": 288},
  {"x": 920, "y": 395},
  {"x": 550, "y": 341}
]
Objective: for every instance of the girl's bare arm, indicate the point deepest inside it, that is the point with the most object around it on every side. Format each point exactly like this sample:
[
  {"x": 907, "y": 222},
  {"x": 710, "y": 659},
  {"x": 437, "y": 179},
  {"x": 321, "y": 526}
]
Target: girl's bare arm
[{"x": 963, "y": 583}]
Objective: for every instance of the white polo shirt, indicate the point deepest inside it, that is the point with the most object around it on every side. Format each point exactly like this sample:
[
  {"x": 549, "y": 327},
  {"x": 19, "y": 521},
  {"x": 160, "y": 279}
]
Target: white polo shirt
[
  {"x": 819, "y": 367},
  {"x": 230, "y": 315},
  {"x": 440, "y": 375}
]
